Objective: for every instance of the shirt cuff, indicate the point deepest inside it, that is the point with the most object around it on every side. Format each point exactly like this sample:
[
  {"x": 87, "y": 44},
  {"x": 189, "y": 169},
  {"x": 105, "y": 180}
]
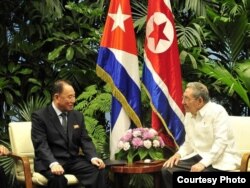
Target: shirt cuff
[
  {"x": 206, "y": 163},
  {"x": 93, "y": 158},
  {"x": 52, "y": 164}
]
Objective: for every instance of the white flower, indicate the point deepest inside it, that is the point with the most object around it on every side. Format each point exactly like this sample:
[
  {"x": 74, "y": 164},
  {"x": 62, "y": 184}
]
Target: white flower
[
  {"x": 120, "y": 144},
  {"x": 156, "y": 143},
  {"x": 126, "y": 146},
  {"x": 129, "y": 131},
  {"x": 136, "y": 133},
  {"x": 147, "y": 144},
  {"x": 153, "y": 131}
]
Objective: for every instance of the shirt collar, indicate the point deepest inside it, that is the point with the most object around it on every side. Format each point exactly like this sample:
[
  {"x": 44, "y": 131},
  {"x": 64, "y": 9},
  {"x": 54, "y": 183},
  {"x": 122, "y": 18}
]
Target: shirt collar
[
  {"x": 204, "y": 109},
  {"x": 58, "y": 112}
]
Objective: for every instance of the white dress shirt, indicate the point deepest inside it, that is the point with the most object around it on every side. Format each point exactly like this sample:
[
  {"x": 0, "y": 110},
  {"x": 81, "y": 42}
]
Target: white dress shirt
[{"x": 209, "y": 134}]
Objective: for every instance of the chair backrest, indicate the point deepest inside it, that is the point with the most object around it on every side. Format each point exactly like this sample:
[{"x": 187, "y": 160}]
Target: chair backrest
[
  {"x": 241, "y": 131},
  {"x": 21, "y": 144}
]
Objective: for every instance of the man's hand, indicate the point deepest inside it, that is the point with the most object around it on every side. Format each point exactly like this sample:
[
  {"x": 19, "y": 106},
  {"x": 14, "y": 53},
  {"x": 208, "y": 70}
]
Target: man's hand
[
  {"x": 4, "y": 150},
  {"x": 198, "y": 167},
  {"x": 57, "y": 169},
  {"x": 98, "y": 162},
  {"x": 172, "y": 161}
]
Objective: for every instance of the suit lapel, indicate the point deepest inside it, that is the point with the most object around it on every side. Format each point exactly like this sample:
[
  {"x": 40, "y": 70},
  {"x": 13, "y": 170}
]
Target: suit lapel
[
  {"x": 70, "y": 125},
  {"x": 56, "y": 122}
]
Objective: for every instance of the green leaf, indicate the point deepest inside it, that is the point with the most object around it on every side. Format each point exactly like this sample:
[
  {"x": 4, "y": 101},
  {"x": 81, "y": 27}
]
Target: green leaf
[
  {"x": 74, "y": 35},
  {"x": 185, "y": 56},
  {"x": 143, "y": 152},
  {"x": 131, "y": 155},
  {"x": 55, "y": 53},
  {"x": 243, "y": 70},
  {"x": 16, "y": 80},
  {"x": 156, "y": 154},
  {"x": 121, "y": 155},
  {"x": 17, "y": 92},
  {"x": 13, "y": 67},
  {"x": 25, "y": 71},
  {"x": 8, "y": 97},
  {"x": 35, "y": 89},
  {"x": 34, "y": 81},
  {"x": 70, "y": 53},
  {"x": 225, "y": 77}
]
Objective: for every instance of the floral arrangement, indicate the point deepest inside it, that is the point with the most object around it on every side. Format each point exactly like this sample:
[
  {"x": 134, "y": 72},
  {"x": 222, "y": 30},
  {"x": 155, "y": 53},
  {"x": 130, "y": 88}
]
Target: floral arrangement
[{"x": 139, "y": 144}]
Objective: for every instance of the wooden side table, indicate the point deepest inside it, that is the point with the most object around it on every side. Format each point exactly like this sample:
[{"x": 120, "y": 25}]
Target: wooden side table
[{"x": 153, "y": 168}]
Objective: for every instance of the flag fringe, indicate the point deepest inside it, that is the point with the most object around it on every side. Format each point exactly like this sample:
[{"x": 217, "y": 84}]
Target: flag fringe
[
  {"x": 120, "y": 97},
  {"x": 161, "y": 118}
]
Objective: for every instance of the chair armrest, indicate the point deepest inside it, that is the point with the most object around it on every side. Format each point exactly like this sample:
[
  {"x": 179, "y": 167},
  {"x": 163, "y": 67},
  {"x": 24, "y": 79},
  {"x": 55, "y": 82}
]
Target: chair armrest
[
  {"x": 244, "y": 162},
  {"x": 26, "y": 168}
]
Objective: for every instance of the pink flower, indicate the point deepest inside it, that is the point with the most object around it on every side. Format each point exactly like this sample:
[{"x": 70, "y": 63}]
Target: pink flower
[
  {"x": 128, "y": 136},
  {"x": 148, "y": 135},
  {"x": 137, "y": 142},
  {"x": 161, "y": 142}
]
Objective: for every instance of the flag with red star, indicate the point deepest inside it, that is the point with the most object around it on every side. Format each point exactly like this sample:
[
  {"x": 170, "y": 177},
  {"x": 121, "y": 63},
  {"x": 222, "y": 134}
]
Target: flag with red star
[
  {"x": 118, "y": 65},
  {"x": 162, "y": 73}
]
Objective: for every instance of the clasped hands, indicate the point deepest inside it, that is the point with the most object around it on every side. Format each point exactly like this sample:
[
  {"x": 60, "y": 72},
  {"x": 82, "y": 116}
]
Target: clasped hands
[{"x": 174, "y": 160}]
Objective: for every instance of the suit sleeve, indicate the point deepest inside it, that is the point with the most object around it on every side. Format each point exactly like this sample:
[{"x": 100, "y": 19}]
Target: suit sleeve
[{"x": 86, "y": 142}]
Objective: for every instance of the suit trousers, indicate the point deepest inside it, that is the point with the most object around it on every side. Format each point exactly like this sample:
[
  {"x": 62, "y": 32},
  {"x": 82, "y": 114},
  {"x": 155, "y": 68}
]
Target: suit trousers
[
  {"x": 183, "y": 166},
  {"x": 3, "y": 178},
  {"x": 88, "y": 175}
]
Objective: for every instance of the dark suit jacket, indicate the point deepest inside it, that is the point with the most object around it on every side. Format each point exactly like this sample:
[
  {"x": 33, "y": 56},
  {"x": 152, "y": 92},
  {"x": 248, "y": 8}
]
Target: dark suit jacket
[{"x": 52, "y": 144}]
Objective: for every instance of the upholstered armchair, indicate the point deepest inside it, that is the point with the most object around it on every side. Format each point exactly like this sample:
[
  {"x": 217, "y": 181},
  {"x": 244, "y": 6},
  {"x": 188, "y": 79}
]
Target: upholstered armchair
[{"x": 23, "y": 153}]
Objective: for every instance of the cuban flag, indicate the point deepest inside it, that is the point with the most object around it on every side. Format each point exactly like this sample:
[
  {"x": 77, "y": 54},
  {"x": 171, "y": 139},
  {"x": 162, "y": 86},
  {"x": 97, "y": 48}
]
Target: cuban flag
[
  {"x": 162, "y": 73},
  {"x": 118, "y": 65}
]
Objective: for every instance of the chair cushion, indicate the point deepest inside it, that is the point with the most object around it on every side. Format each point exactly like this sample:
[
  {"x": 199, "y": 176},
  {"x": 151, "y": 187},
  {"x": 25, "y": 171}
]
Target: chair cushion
[{"x": 39, "y": 179}]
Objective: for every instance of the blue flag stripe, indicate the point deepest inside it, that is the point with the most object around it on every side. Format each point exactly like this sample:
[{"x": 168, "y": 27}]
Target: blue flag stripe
[
  {"x": 174, "y": 124},
  {"x": 123, "y": 82}
]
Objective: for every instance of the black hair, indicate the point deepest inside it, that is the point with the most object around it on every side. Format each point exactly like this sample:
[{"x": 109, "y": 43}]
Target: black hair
[{"x": 58, "y": 86}]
